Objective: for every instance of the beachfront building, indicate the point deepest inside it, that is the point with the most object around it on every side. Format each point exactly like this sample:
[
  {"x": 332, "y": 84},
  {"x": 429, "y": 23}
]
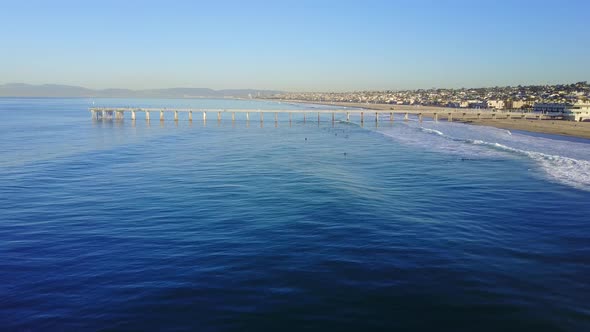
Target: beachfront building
[
  {"x": 579, "y": 111},
  {"x": 515, "y": 104},
  {"x": 473, "y": 104},
  {"x": 496, "y": 103},
  {"x": 553, "y": 110}
]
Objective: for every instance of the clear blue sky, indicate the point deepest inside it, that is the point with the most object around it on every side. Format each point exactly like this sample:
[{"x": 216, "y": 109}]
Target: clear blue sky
[{"x": 294, "y": 45}]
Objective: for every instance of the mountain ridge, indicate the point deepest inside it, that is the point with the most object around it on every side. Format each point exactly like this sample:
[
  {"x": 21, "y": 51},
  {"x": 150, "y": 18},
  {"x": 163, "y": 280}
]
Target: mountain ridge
[{"x": 62, "y": 90}]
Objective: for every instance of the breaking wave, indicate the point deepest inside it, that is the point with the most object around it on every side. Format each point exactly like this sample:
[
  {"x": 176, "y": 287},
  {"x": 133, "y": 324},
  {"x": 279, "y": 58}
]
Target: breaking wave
[
  {"x": 432, "y": 131},
  {"x": 570, "y": 171},
  {"x": 565, "y": 162}
]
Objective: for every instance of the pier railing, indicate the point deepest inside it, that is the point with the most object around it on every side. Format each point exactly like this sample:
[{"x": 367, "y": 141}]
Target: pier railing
[{"x": 118, "y": 113}]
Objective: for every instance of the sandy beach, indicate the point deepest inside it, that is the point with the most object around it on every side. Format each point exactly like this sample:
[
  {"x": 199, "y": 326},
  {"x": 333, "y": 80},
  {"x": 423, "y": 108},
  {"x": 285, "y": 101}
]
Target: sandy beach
[{"x": 555, "y": 127}]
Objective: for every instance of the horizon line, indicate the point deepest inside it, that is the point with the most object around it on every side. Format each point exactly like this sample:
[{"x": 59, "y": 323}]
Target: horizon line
[{"x": 280, "y": 90}]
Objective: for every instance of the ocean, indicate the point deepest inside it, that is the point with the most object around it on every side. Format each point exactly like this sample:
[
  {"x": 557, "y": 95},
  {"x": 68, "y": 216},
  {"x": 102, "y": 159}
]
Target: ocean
[{"x": 242, "y": 226}]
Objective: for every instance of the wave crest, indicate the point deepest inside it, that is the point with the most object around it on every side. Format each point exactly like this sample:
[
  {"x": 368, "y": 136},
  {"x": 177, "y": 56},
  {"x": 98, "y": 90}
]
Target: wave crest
[{"x": 566, "y": 170}]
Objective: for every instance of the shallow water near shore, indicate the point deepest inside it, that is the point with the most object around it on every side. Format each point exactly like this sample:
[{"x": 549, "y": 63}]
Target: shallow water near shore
[{"x": 232, "y": 226}]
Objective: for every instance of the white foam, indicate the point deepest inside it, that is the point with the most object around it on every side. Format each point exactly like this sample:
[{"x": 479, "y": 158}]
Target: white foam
[
  {"x": 432, "y": 131},
  {"x": 562, "y": 161},
  {"x": 562, "y": 169}
]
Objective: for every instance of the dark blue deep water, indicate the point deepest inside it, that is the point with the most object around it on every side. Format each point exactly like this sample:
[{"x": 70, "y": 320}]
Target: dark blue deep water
[{"x": 123, "y": 226}]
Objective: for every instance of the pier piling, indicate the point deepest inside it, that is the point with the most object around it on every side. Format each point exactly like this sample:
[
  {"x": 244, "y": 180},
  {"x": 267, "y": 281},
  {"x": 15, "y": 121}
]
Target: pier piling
[{"x": 118, "y": 113}]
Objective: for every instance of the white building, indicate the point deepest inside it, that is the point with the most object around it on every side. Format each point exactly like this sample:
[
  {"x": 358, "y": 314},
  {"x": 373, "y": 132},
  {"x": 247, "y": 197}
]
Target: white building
[
  {"x": 473, "y": 104},
  {"x": 497, "y": 104},
  {"x": 515, "y": 104},
  {"x": 580, "y": 111}
]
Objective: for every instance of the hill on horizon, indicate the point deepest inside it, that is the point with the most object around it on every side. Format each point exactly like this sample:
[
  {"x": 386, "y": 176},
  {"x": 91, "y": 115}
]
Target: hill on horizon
[{"x": 60, "y": 90}]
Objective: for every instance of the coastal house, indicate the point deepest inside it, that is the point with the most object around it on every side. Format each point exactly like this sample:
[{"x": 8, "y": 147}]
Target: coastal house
[
  {"x": 473, "y": 104},
  {"x": 496, "y": 103},
  {"x": 478, "y": 104},
  {"x": 515, "y": 104}
]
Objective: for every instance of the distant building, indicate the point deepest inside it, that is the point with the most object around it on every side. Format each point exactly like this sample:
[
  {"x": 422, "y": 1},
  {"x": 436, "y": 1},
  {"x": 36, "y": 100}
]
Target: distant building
[
  {"x": 497, "y": 104},
  {"x": 477, "y": 104},
  {"x": 552, "y": 110},
  {"x": 579, "y": 111},
  {"x": 473, "y": 104},
  {"x": 515, "y": 104}
]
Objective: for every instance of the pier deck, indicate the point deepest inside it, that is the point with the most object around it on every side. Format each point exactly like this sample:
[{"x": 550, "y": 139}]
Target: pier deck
[{"x": 375, "y": 115}]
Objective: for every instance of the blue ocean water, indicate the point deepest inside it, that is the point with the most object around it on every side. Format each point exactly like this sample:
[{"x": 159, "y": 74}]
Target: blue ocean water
[{"x": 238, "y": 226}]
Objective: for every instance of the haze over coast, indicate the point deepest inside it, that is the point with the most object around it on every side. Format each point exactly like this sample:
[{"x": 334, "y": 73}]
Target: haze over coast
[{"x": 59, "y": 90}]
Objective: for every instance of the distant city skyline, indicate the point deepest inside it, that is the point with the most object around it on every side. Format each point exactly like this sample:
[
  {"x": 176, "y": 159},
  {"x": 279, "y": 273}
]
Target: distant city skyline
[{"x": 294, "y": 46}]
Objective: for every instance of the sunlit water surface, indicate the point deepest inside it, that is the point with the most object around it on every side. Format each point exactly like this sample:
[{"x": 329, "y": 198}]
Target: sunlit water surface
[{"x": 235, "y": 226}]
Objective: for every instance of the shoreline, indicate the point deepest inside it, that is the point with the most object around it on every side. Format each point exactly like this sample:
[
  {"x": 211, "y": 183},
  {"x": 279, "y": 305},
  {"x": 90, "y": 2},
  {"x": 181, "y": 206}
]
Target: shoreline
[{"x": 551, "y": 127}]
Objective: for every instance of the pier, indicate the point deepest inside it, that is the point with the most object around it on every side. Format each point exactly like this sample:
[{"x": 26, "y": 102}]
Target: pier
[{"x": 102, "y": 113}]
